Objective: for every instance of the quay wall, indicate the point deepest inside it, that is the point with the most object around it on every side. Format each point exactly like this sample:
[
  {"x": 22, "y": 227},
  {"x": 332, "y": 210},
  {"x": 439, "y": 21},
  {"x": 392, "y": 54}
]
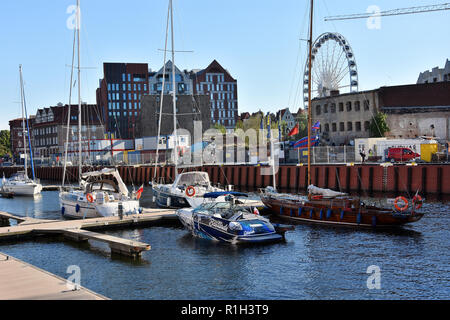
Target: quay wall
[{"x": 399, "y": 179}]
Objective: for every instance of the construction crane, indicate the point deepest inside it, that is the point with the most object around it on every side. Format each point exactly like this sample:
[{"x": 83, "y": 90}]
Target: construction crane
[{"x": 395, "y": 12}]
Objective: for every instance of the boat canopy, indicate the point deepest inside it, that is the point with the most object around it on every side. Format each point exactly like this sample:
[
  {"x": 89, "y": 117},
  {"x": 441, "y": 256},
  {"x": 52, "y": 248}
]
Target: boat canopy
[
  {"x": 324, "y": 192},
  {"x": 193, "y": 179},
  {"x": 214, "y": 195},
  {"x": 94, "y": 176}
]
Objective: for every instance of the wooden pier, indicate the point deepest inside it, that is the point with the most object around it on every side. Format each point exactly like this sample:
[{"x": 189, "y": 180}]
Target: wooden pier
[
  {"x": 81, "y": 230},
  {"x": 22, "y": 281}
]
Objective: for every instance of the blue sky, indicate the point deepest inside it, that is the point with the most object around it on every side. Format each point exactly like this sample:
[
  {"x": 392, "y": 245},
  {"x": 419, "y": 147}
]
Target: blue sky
[{"x": 257, "y": 41}]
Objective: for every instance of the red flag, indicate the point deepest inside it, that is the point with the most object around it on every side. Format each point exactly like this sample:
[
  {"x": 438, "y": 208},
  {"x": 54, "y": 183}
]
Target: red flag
[{"x": 294, "y": 131}]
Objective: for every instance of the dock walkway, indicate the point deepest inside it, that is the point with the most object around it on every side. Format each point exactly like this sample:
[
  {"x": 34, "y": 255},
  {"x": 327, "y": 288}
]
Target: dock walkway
[
  {"x": 81, "y": 230},
  {"x": 22, "y": 281}
]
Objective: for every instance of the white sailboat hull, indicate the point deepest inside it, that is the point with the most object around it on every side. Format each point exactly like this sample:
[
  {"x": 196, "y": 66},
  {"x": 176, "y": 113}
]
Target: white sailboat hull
[
  {"x": 23, "y": 189},
  {"x": 82, "y": 209}
]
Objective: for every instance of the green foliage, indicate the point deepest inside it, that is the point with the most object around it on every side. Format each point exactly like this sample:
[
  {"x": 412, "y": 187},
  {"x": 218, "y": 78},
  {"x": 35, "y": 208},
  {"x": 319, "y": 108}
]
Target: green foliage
[
  {"x": 5, "y": 143},
  {"x": 378, "y": 126},
  {"x": 220, "y": 127}
]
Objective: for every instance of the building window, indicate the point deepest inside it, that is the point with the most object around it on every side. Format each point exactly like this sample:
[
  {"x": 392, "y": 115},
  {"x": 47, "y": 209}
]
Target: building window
[
  {"x": 366, "y": 125},
  {"x": 349, "y": 126},
  {"x": 334, "y": 127},
  {"x": 327, "y": 127},
  {"x": 333, "y": 108},
  {"x": 318, "y": 110},
  {"x": 366, "y": 105},
  {"x": 349, "y": 106},
  {"x": 358, "y": 126},
  {"x": 341, "y": 107},
  {"x": 357, "y": 106},
  {"x": 341, "y": 126},
  {"x": 325, "y": 108}
]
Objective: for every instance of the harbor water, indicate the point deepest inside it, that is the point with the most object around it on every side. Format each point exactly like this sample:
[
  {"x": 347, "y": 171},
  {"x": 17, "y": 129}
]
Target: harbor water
[{"x": 316, "y": 262}]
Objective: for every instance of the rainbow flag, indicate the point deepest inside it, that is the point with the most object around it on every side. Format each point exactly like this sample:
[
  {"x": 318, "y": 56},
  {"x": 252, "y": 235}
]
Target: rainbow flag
[{"x": 303, "y": 143}]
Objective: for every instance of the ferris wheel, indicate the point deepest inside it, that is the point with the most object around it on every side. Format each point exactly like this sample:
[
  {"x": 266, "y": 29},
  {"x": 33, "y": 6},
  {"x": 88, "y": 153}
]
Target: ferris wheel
[{"x": 333, "y": 67}]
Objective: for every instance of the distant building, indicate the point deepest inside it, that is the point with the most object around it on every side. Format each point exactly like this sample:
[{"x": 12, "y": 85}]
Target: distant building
[
  {"x": 189, "y": 109},
  {"x": 182, "y": 78},
  {"x": 221, "y": 87},
  {"x": 287, "y": 117},
  {"x": 17, "y": 144},
  {"x": 413, "y": 111},
  {"x": 50, "y": 128},
  {"x": 417, "y": 110},
  {"x": 435, "y": 75},
  {"x": 345, "y": 117},
  {"x": 119, "y": 97}
]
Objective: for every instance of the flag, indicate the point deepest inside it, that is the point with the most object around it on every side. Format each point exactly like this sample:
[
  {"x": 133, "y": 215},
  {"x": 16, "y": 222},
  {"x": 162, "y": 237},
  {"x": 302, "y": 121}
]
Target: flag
[
  {"x": 279, "y": 131},
  {"x": 269, "y": 126},
  {"x": 295, "y": 131},
  {"x": 303, "y": 143},
  {"x": 316, "y": 126},
  {"x": 141, "y": 189},
  {"x": 256, "y": 211}
]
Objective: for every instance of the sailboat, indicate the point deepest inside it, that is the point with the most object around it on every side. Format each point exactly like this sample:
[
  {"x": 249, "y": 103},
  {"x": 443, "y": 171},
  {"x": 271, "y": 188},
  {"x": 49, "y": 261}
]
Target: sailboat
[
  {"x": 20, "y": 184},
  {"x": 188, "y": 188},
  {"x": 323, "y": 206},
  {"x": 101, "y": 193}
]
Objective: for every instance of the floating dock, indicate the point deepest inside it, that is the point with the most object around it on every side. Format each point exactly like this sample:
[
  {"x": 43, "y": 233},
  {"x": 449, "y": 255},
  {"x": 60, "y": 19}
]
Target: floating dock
[
  {"x": 81, "y": 230},
  {"x": 22, "y": 281}
]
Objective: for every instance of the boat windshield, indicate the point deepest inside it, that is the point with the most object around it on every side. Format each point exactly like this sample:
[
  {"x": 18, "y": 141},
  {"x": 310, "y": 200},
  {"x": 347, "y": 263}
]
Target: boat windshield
[
  {"x": 193, "y": 179},
  {"x": 20, "y": 176}
]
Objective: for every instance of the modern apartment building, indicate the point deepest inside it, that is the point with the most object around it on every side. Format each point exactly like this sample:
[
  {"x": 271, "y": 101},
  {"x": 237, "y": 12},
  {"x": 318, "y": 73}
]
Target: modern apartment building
[
  {"x": 218, "y": 83},
  {"x": 119, "y": 97},
  {"x": 182, "y": 78}
]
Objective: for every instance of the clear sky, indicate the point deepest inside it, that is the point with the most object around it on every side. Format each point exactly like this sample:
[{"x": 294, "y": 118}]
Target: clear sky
[{"x": 257, "y": 41}]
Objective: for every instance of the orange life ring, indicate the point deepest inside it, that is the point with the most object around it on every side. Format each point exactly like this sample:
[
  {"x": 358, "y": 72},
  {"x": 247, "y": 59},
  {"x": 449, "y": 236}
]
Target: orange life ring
[
  {"x": 417, "y": 202},
  {"x": 190, "y": 191},
  {"x": 90, "y": 198},
  {"x": 398, "y": 207}
]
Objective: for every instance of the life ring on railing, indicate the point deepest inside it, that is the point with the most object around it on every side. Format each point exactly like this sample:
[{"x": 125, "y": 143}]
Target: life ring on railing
[
  {"x": 90, "y": 198},
  {"x": 401, "y": 209},
  {"x": 190, "y": 191},
  {"x": 417, "y": 202}
]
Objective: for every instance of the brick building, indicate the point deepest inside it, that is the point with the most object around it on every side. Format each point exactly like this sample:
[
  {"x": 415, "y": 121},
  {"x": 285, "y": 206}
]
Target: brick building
[
  {"x": 49, "y": 129},
  {"x": 119, "y": 97},
  {"x": 17, "y": 142},
  {"x": 218, "y": 83}
]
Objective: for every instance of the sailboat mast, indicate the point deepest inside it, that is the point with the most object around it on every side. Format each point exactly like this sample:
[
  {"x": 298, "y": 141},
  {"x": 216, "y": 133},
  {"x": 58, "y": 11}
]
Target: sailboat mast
[
  {"x": 80, "y": 156},
  {"x": 25, "y": 163},
  {"x": 309, "y": 91},
  {"x": 174, "y": 89}
]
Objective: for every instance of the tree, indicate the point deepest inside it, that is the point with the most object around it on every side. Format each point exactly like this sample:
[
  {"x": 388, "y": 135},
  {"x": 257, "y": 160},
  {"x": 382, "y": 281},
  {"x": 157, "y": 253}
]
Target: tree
[
  {"x": 220, "y": 127},
  {"x": 5, "y": 143},
  {"x": 378, "y": 126}
]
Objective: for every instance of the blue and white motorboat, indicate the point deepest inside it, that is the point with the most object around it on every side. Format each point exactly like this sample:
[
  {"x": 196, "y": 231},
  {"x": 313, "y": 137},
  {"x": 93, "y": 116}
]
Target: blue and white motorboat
[{"x": 230, "y": 221}]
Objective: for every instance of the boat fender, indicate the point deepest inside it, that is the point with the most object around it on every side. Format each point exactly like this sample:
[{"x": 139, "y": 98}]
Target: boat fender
[
  {"x": 405, "y": 206},
  {"x": 358, "y": 218},
  {"x": 321, "y": 214},
  {"x": 63, "y": 211},
  {"x": 311, "y": 213},
  {"x": 281, "y": 210},
  {"x": 329, "y": 212},
  {"x": 77, "y": 208},
  {"x": 342, "y": 214},
  {"x": 417, "y": 202},
  {"x": 300, "y": 211},
  {"x": 292, "y": 212},
  {"x": 374, "y": 221}
]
